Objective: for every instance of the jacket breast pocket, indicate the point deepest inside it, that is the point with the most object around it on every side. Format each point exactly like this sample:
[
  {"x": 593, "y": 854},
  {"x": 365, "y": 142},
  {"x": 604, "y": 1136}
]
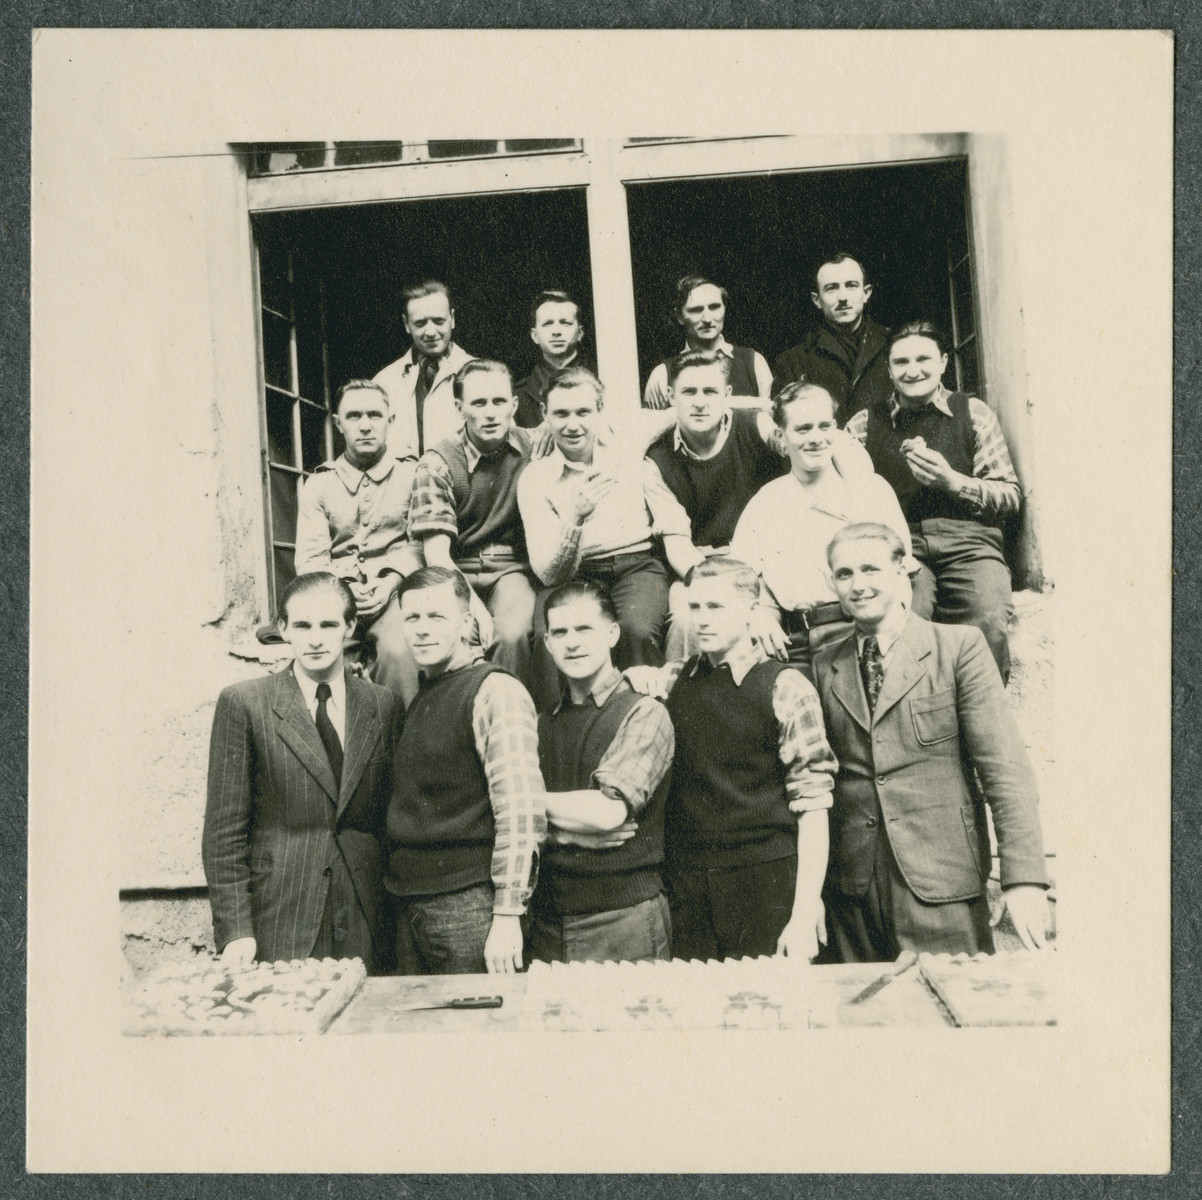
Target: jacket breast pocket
[{"x": 935, "y": 717}]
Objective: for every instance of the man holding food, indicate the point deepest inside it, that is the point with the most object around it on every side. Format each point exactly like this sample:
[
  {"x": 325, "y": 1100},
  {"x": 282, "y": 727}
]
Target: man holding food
[{"x": 946, "y": 458}]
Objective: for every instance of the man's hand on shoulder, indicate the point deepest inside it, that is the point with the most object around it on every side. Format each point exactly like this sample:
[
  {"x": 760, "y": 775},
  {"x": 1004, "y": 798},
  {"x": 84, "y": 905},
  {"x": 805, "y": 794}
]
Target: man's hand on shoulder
[
  {"x": 766, "y": 629},
  {"x": 503, "y": 946},
  {"x": 240, "y": 952},
  {"x": 1028, "y": 905}
]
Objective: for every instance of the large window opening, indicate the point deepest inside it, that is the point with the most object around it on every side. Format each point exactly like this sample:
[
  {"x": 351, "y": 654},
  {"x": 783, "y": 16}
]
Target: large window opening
[
  {"x": 330, "y": 282},
  {"x": 761, "y": 237}
]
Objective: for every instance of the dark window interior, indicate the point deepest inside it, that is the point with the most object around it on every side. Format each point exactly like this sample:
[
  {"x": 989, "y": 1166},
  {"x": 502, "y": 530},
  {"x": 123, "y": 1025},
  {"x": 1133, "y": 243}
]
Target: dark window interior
[
  {"x": 761, "y": 237},
  {"x": 495, "y": 252}
]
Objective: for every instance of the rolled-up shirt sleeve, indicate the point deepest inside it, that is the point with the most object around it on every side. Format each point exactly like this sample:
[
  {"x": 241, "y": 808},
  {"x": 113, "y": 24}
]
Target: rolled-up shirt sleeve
[
  {"x": 810, "y": 764},
  {"x": 639, "y": 756},
  {"x": 432, "y": 503},
  {"x": 552, "y": 542},
  {"x": 505, "y": 728}
]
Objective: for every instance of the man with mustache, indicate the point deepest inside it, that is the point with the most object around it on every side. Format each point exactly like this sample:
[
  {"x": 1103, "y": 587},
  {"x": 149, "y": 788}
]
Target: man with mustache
[{"x": 846, "y": 353}]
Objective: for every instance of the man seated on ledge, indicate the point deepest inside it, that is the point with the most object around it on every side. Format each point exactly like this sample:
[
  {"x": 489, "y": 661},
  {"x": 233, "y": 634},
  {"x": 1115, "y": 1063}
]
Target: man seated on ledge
[
  {"x": 353, "y": 520},
  {"x": 702, "y": 470},
  {"x": 467, "y": 814},
  {"x": 584, "y": 514},
  {"x": 946, "y": 457},
  {"x": 605, "y": 753},
  {"x": 917, "y": 715},
  {"x": 464, "y": 510}
]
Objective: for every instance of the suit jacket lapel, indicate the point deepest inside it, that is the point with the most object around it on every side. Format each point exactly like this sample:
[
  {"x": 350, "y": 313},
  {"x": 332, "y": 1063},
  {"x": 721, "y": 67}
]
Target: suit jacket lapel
[
  {"x": 362, "y": 732},
  {"x": 846, "y": 683},
  {"x": 299, "y": 733},
  {"x": 905, "y": 665}
]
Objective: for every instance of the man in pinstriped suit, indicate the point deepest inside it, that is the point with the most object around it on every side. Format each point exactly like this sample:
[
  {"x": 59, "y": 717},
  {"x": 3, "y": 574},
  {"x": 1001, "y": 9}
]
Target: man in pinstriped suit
[{"x": 299, "y": 779}]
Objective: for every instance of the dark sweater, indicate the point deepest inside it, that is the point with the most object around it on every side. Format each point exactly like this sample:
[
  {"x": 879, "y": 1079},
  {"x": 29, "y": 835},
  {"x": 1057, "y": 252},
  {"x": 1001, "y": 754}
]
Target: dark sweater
[
  {"x": 486, "y": 499},
  {"x": 714, "y": 491},
  {"x": 440, "y": 823},
  {"x": 727, "y": 806},
  {"x": 952, "y": 436},
  {"x": 571, "y": 744},
  {"x": 529, "y": 391}
]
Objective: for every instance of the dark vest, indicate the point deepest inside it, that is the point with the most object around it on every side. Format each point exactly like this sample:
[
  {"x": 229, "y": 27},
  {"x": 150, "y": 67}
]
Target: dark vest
[
  {"x": 727, "y": 805},
  {"x": 571, "y": 744},
  {"x": 529, "y": 391},
  {"x": 742, "y": 378},
  {"x": 714, "y": 491},
  {"x": 486, "y": 499},
  {"x": 440, "y": 823},
  {"x": 953, "y": 437}
]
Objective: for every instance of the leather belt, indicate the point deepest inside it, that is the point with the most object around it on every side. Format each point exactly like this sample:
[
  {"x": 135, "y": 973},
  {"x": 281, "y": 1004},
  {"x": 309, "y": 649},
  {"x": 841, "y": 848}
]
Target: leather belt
[{"x": 795, "y": 620}]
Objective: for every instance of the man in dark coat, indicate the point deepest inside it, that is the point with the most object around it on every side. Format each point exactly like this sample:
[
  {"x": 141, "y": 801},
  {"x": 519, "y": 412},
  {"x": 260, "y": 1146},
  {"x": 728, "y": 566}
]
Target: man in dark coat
[{"x": 845, "y": 354}]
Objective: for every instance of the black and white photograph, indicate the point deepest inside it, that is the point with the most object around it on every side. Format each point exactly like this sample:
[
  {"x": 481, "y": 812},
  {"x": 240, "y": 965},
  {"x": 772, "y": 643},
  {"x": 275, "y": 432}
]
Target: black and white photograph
[{"x": 613, "y": 615}]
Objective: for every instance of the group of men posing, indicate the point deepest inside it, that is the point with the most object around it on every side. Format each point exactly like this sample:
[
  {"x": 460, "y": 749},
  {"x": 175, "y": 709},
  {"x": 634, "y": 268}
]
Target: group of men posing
[{"x": 682, "y": 700}]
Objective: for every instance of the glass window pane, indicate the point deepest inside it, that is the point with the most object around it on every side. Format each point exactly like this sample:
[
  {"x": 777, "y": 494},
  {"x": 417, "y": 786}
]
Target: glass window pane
[
  {"x": 970, "y": 380},
  {"x": 273, "y": 276},
  {"x": 279, "y": 429},
  {"x": 962, "y": 293},
  {"x": 283, "y": 505},
  {"x": 309, "y": 336},
  {"x": 290, "y": 156},
  {"x": 277, "y": 360},
  {"x": 459, "y": 149},
  {"x": 285, "y": 571},
  {"x": 350, "y": 154},
  {"x": 529, "y": 145},
  {"x": 313, "y": 435}
]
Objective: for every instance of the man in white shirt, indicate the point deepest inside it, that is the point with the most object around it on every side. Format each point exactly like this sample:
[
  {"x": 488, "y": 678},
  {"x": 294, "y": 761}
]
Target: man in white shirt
[
  {"x": 419, "y": 382},
  {"x": 584, "y": 514}
]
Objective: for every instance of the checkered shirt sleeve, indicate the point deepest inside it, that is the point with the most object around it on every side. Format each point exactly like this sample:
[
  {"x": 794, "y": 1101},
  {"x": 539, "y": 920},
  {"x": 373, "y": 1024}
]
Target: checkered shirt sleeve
[
  {"x": 432, "y": 503},
  {"x": 994, "y": 490},
  {"x": 506, "y": 734},
  {"x": 638, "y": 757},
  {"x": 810, "y": 765}
]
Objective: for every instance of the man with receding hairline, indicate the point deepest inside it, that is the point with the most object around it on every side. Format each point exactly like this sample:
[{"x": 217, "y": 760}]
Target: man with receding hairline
[{"x": 419, "y": 382}]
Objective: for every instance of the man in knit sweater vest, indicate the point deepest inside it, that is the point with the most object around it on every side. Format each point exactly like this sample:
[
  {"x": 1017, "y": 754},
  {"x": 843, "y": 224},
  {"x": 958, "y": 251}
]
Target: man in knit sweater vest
[
  {"x": 466, "y": 815},
  {"x": 606, "y": 753},
  {"x": 946, "y": 457},
  {"x": 745, "y": 829},
  {"x": 700, "y": 473},
  {"x": 464, "y": 509}
]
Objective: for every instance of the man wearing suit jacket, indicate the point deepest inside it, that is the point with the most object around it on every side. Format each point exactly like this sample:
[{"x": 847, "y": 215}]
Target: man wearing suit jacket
[
  {"x": 912, "y": 711},
  {"x": 299, "y": 779}
]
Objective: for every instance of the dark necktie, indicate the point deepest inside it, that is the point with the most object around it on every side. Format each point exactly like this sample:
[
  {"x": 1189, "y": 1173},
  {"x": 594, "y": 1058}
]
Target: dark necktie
[
  {"x": 328, "y": 734},
  {"x": 425, "y": 381},
  {"x": 872, "y": 670}
]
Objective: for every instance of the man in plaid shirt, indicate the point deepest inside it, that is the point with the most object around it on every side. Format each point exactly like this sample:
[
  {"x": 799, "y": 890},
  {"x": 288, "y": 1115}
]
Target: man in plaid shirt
[
  {"x": 605, "y": 752},
  {"x": 946, "y": 458},
  {"x": 745, "y": 830},
  {"x": 467, "y": 813}
]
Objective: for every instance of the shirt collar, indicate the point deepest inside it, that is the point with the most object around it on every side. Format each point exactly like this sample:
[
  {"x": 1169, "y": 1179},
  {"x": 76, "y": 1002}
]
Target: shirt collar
[
  {"x": 886, "y": 637},
  {"x": 601, "y": 691},
  {"x": 464, "y": 656},
  {"x": 682, "y": 447},
  {"x": 723, "y": 347},
  {"x": 738, "y": 662},
  {"x": 308, "y": 688},
  {"x": 352, "y": 477},
  {"x": 474, "y": 456},
  {"x": 939, "y": 401},
  {"x": 416, "y": 359}
]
